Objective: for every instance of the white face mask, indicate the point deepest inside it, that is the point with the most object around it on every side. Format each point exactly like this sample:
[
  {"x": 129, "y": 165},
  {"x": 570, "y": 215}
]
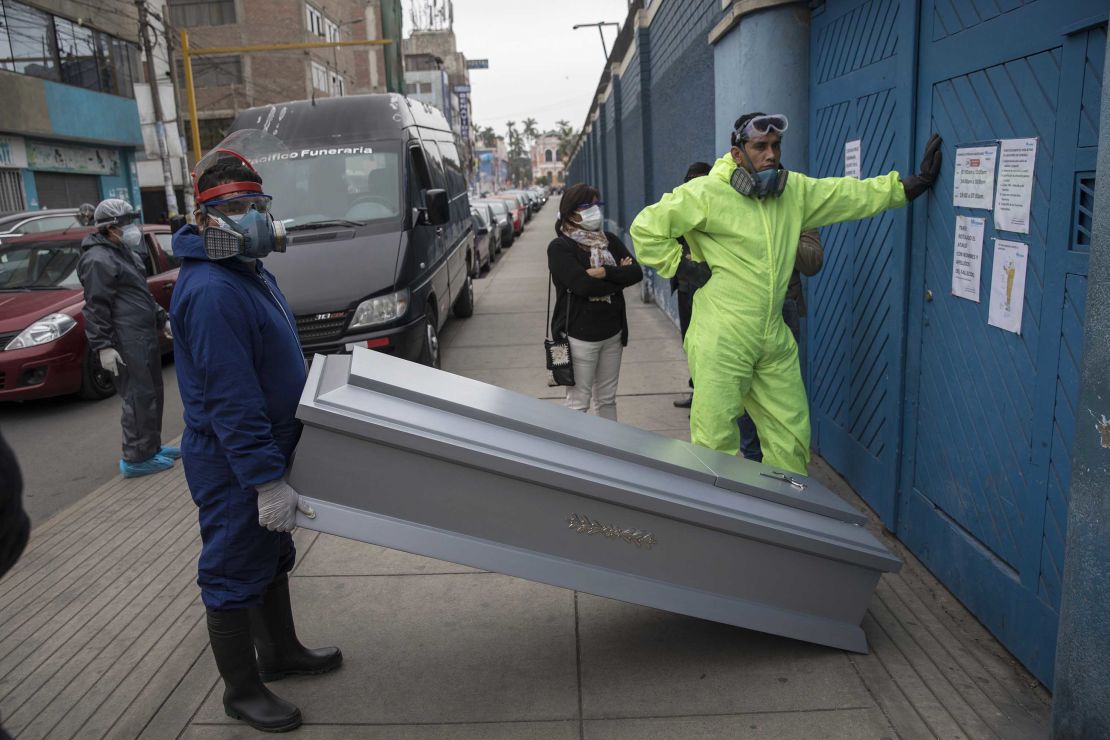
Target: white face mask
[
  {"x": 131, "y": 236},
  {"x": 590, "y": 218}
]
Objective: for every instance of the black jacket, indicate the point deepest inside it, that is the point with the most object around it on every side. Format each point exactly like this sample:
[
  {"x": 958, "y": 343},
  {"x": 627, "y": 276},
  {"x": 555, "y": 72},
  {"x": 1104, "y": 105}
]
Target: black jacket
[
  {"x": 15, "y": 527},
  {"x": 118, "y": 303},
  {"x": 590, "y": 321}
]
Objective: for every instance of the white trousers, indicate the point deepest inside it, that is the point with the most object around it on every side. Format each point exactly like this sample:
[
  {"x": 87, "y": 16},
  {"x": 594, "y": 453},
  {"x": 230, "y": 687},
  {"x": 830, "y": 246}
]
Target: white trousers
[{"x": 597, "y": 368}]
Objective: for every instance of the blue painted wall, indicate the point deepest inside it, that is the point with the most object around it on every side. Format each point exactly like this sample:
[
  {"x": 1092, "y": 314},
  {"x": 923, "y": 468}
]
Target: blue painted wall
[
  {"x": 76, "y": 113},
  {"x": 778, "y": 39}
]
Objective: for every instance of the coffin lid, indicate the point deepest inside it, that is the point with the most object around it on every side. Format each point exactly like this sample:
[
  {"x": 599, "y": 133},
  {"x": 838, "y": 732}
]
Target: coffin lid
[{"x": 488, "y": 403}]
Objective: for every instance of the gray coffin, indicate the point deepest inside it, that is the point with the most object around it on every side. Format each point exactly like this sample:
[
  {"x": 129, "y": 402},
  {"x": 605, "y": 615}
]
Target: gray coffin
[{"x": 420, "y": 460}]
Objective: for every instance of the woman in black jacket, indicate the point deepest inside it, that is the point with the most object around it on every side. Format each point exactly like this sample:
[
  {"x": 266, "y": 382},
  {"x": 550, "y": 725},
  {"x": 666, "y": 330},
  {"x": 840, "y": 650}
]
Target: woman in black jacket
[{"x": 590, "y": 268}]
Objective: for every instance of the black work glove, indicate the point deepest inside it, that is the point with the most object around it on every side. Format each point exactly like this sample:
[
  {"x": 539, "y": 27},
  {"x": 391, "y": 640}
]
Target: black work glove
[
  {"x": 695, "y": 274},
  {"x": 915, "y": 185}
]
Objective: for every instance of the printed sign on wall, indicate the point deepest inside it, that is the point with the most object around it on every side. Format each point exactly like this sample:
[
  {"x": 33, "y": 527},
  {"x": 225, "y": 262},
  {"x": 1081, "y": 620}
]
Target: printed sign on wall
[
  {"x": 1008, "y": 285},
  {"x": 968, "y": 257},
  {"x": 1015, "y": 185},
  {"x": 65, "y": 158},
  {"x": 974, "y": 177},
  {"x": 852, "y": 159}
]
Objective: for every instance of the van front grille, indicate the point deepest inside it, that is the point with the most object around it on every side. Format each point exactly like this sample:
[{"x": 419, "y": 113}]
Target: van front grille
[{"x": 322, "y": 327}]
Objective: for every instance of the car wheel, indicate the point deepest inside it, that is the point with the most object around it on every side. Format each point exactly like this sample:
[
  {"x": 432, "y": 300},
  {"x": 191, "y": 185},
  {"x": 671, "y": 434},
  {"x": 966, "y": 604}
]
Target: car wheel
[
  {"x": 508, "y": 241},
  {"x": 464, "y": 304},
  {"x": 476, "y": 266},
  {"x": 429, "y": 352},
  {"x": 493, "y": 255},
  {"x": 96, "y": 382}
]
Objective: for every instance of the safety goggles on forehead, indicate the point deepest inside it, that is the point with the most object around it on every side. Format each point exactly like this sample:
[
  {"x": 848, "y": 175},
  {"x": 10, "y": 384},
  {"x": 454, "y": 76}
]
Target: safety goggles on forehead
[
  {"x": 761, "y": 125},
  {"x": 238, "y": 204},
  {"x": 584, "y": 206}
]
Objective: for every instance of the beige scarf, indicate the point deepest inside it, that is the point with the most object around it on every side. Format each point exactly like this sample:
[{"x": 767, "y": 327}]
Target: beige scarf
[{"x": 597, "y": 244}]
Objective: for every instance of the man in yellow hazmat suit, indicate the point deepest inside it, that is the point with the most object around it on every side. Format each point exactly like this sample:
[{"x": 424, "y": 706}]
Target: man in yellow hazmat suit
[{"x": 742, "y": 223}]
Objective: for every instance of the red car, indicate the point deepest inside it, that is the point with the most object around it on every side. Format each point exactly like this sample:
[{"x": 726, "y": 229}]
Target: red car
[
  {"x": 517, "y": 208},
  {"x": 43, "y": 350}
]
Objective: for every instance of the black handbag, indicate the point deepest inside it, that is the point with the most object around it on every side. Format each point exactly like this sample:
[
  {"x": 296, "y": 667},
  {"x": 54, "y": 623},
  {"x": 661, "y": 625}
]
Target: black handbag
[{"x": 559, "y": 360}]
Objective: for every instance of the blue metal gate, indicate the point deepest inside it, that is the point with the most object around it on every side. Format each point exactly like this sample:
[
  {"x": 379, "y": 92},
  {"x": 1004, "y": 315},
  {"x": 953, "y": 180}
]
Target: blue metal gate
[
  {"x": 963, "y": 446},
  {"x": 861, "y": 88},
  {"x": 985, "y": 480}
]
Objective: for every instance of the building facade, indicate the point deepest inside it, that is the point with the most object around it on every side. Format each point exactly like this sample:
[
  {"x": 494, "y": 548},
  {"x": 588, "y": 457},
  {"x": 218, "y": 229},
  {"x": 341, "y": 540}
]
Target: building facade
[
  {"x": 547, "y": 166},
  {"x": 228, "y": 83},
  {"x": 69, "y": 122},
  {"x": 957, "y": 432},
  {"x": 436, "y": 73}
]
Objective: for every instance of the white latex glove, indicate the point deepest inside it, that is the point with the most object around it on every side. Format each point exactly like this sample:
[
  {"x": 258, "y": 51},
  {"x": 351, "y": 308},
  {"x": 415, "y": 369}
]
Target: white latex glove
[
  {"x": 110, "y": 360},
  {"x": 168, "y": 330},
  {"x": 278, "y": 504}
]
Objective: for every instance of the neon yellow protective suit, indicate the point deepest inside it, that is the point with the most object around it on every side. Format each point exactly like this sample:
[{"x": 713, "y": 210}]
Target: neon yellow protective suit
[{"x": 741, "y": 354}]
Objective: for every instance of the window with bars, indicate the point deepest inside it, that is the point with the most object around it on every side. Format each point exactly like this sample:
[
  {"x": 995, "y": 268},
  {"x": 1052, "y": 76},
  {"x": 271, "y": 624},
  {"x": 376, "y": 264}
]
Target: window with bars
[
  {"x": 212, "y": 131},
  {"x": 202, "y": 12},
  {"x": 214, "y": 71}
]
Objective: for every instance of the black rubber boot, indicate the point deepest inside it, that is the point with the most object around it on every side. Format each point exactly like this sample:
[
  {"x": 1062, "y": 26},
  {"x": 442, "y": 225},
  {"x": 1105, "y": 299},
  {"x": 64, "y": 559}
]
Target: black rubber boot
[
  {"x": 245, "y": 697},
  {"x": 280, "y": 653}
]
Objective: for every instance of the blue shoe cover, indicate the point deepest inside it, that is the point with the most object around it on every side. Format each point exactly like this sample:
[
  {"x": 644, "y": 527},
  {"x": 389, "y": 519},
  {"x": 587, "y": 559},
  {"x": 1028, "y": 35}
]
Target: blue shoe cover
[
  {"x": 156, "y": 464},
  {"x": 173, "y": 453}
]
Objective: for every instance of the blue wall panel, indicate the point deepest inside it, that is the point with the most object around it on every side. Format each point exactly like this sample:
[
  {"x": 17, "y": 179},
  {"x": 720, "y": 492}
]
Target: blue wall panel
[
  {"x": 861, "y": 67},
  {"x": 984, "y": 486},
  {"x": 77, "y": 113}
]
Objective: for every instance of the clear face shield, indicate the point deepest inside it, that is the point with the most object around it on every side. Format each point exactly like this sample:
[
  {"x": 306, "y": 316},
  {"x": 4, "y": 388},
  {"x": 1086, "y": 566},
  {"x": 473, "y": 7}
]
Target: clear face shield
[{"x": 245, "y": 228}]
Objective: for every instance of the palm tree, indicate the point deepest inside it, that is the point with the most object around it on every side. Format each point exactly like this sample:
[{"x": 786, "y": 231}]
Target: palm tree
[
  {"x": 566, "y": 139},
  {"x": 530, "y": 132},
  {"x": 488, "y": 136}
]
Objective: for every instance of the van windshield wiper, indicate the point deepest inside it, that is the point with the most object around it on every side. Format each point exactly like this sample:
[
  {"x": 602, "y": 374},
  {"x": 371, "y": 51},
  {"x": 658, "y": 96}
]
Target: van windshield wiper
[{"x": 324, "y": 224}]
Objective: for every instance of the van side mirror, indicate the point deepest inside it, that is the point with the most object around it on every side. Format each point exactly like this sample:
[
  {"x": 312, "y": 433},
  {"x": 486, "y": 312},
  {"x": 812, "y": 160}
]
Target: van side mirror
[{"x": 437, "y": 209}]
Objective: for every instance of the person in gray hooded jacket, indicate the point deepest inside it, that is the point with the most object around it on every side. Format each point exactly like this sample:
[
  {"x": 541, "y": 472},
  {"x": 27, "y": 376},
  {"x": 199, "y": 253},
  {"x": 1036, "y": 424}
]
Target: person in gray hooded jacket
[{"x": 123, "y": 323}]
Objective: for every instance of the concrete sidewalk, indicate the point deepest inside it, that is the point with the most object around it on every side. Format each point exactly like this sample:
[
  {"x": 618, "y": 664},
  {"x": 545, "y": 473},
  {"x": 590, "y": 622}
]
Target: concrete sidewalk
[{"x": 102, "y": 631}]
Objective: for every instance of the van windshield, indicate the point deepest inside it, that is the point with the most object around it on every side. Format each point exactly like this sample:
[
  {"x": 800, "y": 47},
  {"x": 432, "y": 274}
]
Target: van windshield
[{"x": 327, "y": 184}]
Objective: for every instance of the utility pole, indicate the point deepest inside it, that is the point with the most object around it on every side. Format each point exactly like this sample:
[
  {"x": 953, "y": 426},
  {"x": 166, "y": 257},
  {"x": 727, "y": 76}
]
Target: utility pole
[
  {"x": 156, "y": 98},
  {"x": 186, "y": 189}
]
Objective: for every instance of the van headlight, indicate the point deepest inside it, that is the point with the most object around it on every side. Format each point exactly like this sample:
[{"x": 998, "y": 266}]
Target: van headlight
[
  {"x": 381, "y": 310},
  {"x": 46, "y": 329}
]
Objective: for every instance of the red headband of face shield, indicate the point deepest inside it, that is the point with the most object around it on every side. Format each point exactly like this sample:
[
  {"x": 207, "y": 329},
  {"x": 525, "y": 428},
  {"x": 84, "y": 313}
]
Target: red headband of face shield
[{"x": 223, "y": 189}]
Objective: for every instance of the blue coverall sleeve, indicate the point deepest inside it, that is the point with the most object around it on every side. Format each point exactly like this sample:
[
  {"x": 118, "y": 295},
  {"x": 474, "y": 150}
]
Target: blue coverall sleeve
[
  {"x": 223, "y": 340},
  {"x": 831, "y": 200},
  {"x": 656, "y": 229}
]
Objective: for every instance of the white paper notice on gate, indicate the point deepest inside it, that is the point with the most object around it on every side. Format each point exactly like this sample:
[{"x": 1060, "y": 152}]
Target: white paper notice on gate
[
  {"x": 974, "y": 177},
  {"x": 852, "y": 159},
  {"x": 1015, "y": 185},
  {"x": 968, "y": 257},
  {"x": 1008, "y": 285}
]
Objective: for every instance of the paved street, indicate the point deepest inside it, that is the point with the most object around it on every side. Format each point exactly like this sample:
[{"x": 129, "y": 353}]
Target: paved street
[
  {"x": 68, "y": 446},
  {"x": 102, "y": 632}
]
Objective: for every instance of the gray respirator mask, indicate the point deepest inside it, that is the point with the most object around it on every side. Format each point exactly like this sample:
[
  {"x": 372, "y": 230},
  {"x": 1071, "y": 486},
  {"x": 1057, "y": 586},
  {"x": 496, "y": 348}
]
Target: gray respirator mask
[
  {"x": 253, "y": 235},
  {"x": 759, "y": 185}
]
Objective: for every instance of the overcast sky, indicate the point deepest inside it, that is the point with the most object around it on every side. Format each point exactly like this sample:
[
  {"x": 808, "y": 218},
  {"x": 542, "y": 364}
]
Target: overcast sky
[{"x": 538, "y": 66}]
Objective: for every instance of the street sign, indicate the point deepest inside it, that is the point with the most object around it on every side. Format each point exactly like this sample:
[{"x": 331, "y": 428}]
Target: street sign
[{"x": 477, "y": 64}]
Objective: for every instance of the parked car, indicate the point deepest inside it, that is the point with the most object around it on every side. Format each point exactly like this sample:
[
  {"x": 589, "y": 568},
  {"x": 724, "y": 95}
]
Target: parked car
[
  {"x": 373, "y": 195},
  {"x": 504, "y": 216},
  {"x": 43, "y": 350},
  {"x": 529, "y": 202},
  {"x": 517, "y": 207},
  {"x": 487, "y": 238},
  {"x": 19, "y": 223}
]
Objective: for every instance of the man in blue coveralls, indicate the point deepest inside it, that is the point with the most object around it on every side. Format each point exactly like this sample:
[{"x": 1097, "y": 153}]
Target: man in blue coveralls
[{"x": 241, "y": 372}]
